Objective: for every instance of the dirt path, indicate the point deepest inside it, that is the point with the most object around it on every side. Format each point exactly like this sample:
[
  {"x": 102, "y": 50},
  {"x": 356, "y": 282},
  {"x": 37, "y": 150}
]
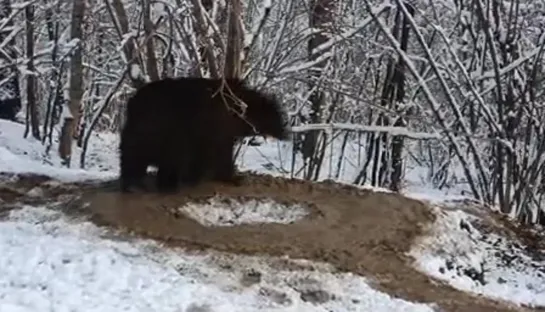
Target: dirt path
[{"x": 356, "y": 230}]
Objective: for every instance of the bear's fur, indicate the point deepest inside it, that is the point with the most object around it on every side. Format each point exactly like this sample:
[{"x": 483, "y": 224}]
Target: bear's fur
[{"x": 188, "y": 126}]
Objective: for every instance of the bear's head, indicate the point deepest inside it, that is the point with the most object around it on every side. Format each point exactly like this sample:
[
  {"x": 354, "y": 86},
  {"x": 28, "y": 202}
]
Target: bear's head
[{"x": 263, "y": 113}]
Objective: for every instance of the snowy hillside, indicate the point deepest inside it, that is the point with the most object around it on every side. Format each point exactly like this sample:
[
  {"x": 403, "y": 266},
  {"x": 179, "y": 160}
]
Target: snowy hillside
[{"x": 51, "y": 262}]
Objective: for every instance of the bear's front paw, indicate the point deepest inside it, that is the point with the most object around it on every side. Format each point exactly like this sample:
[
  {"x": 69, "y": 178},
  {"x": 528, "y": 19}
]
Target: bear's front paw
[
  {"x": 237, "y": 180},
  {"x": 133, "y": 187},
  {"x": 234, "y": 180}
]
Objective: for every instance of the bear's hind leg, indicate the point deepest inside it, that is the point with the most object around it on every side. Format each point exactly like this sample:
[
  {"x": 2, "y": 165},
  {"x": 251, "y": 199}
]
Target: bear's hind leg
[{"x": 167, "y": 179}]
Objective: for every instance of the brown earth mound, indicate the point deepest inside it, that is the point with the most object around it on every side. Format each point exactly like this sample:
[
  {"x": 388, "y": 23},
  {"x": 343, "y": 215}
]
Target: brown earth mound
[{"x": 356, "y": 230}]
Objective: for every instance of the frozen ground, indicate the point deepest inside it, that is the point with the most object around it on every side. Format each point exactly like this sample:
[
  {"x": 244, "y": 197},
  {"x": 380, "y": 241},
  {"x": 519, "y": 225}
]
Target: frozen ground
[{"x": 50, "y": 264}]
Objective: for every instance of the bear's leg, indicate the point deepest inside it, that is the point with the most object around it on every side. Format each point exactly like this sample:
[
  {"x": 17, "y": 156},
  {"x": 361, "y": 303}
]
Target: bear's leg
[
  {"x": 194, "y": 166},
  {"x": 168, "y": 169},
  {"x": 133, "y": 170},
  {"x": 167, "y": 178},
  {"x": 134, "y": 160},
  {"x": 224, "y": 167}
]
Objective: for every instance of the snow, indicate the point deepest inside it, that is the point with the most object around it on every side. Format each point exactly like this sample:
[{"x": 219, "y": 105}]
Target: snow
[
  {"x": 219, "y": 211},
  {"x": 24, "y": 156},
  {"x": 45, "y": 256},
  {"x": 134, "y": 71},
  {"x": 401, "y": 131},
  {"x": 322, "y": 48},
  {"x": 458, "y": 253},
  {"x": 50, "y": 263}
]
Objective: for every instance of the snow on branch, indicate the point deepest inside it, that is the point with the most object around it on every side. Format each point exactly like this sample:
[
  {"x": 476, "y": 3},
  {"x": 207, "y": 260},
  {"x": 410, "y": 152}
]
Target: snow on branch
[
  {"x": 250, "y": 39},
  {"x": 394, "y": 131},
  {"x": 513, "y": 65},
  {"x": 434, "y": 104},
  {"x": 102, "y": 107},
  {"x": 9, "y": 38},
  {"x": 335, "y": 39}
]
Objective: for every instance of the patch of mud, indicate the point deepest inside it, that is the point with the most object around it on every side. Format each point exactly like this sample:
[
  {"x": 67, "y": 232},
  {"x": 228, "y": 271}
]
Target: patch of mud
[
  {"x": 228, "y": 211},
  {"x": 16, "y": 189},
  {"x": 365, "y": 232}
]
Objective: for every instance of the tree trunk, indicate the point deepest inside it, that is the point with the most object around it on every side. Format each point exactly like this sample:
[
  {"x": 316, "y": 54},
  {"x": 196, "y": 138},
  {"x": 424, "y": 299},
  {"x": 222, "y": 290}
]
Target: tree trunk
[
  {"x": 32, "y": 109},
  {"x": 207, "y": 59},
  {"x": 151, "y": 59},
  {"x": 55, "y": 99},
  {"x": 398, "y": 98},
  {"x": 121, "y": 21},
  {"x": 10, "y": 96},
  {"x": 233, "y": 60},
  {"x": 320, "y": 19},
  {"x": 76, "y": 84}
]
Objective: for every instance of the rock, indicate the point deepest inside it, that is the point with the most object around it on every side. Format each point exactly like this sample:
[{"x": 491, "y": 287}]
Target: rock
[
  {"x": 316, "y": 296},
  {"x": 250, "y": 277},
  {"x": 36, "y": 192}
]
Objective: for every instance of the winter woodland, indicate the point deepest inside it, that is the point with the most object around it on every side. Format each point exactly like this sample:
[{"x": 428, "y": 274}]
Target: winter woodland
[{"x": 455, "y": 87}]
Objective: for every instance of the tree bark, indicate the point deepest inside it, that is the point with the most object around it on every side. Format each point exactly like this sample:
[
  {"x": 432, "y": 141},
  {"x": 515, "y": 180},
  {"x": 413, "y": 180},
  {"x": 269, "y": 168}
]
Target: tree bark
[
  {"x": 320, "y": 19},
  {"x": 233, "y": 60},
  {"x": 76, "y": 84},
  {"x": 121, "y": 21},
  {"x": 32, "y": 109},
  {"x": 206, "y": 45},
  {"x": 398, "y": 98},
  {"x": 55, "y": 98},
  {"x": 151, "y": 59},
  {"x": 10, "y": 96}
]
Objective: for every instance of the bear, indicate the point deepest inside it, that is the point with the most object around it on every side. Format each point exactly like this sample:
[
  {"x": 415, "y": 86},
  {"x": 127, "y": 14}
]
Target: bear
[{"x": 188, "y": 126}]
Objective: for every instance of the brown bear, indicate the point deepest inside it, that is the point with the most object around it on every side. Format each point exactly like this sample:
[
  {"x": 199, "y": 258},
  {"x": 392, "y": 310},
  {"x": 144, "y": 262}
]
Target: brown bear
[{"x": 187, "y": 127}]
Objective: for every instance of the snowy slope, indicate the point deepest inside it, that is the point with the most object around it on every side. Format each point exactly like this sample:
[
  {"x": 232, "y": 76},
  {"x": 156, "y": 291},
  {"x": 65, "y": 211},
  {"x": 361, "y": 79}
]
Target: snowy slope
[
  {"x": 482, "y": 263},
  {"x": 49, "y": 258},
  {"x": 51, "y": 264},
  {"x": 20, "y": 155}
]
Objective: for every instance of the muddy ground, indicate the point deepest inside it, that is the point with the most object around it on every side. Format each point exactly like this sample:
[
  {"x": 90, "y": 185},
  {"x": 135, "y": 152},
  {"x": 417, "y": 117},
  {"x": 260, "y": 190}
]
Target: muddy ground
[{"x": 356, "y": 230}]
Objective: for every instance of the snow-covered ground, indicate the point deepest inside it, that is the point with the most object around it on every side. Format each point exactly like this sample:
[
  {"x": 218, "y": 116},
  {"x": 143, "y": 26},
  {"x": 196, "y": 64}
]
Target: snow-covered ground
[
  {"x": 51, "y": 264},
  {"x": 482, "y": 263},
  {"x": 20, "y": 155},
  {"x": 219, "y": 211}
]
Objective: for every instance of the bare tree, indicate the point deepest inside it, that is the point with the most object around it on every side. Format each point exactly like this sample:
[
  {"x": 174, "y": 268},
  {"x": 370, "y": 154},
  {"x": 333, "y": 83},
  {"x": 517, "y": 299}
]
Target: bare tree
[
  {"x": 233, "y": 53},
  {"x": 54, "y": 98},
  {"x": 321, "y": 19},
  {"x": 10, "y": 97},
  {"x": 151, "y": 59},
  {"x": 386, "y": 152},
  {"x": 76, "y": 84},
  {"x": 32, "y": 109},
  {"x": 207, "y": 37}
]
